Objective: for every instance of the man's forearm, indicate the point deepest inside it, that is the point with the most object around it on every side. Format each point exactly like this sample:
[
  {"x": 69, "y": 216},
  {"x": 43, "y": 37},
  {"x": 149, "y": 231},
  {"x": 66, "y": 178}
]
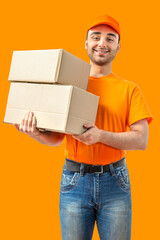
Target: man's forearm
[
  {"x": 49, "y": 138},
  {"x": 131, "y": 140}
]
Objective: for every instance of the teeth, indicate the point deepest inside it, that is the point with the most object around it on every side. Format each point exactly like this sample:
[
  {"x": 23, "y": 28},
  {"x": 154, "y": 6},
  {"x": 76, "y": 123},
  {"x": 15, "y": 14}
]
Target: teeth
[{"x": 101, "y": 51}]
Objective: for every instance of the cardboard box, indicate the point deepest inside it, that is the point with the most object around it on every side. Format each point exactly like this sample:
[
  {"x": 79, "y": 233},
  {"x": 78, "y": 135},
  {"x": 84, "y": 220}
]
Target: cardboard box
[
  {"x": 58, "y": 108},
  {"x": 49, "y": 66}
]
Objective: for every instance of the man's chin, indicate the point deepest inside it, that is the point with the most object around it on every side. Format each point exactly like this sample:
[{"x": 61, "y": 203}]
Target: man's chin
[{"x": 101, "y": 63}]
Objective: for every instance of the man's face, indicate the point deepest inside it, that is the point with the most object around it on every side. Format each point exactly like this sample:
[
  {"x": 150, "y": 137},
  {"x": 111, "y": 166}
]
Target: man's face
[{"x": 102, "y": 44}]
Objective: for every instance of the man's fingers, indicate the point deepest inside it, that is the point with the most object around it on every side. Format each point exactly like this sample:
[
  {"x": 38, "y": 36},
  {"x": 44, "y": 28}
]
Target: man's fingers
[
  {"x": 28, "y": 124},
  {"x": 34, "y": 124},
  {"x": 25, "y": 126},
  {"x": 88, "y": 125},
  {"x": 84, "y": 135},
  {"x": 30, "y": 119},
  {"x": 21, "y": 125}
]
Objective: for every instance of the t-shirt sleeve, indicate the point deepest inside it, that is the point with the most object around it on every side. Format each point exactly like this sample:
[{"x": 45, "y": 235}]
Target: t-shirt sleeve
[{"x": 138, "y": 108}]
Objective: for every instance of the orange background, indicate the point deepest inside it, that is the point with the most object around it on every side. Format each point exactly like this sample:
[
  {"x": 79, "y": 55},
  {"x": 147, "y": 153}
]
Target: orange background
[{"x": 30, "y": 172}]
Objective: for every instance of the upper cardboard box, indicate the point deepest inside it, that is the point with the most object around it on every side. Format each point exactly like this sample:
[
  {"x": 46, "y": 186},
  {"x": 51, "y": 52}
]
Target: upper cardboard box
[{"x": 49, "y": 66}]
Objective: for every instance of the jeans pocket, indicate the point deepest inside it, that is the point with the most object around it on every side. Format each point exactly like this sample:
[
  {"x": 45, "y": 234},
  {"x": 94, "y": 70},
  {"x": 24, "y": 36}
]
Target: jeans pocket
[
  {"x": 122, "y": 177},
  {"x": 69, "y": 180}
]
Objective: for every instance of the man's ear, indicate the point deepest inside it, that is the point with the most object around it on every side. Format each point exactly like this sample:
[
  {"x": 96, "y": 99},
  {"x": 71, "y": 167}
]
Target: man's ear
[
  {"x": 118, "y": 47},
  {"x": 86, "y": 44}
]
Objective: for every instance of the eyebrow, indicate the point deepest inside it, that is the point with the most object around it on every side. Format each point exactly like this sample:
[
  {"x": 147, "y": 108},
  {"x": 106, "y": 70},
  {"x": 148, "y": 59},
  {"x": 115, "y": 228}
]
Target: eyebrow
[{"x": 110, "y": 34}]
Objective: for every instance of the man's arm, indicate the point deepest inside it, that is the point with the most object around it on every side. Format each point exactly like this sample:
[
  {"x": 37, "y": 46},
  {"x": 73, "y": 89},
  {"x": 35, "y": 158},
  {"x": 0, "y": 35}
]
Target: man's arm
[
  {"x": 135, "y": 139},
  {"x": 28, "y": 126}
]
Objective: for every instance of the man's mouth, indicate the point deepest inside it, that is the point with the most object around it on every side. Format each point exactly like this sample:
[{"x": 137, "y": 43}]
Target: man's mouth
[{"x": 101, "y": 51}]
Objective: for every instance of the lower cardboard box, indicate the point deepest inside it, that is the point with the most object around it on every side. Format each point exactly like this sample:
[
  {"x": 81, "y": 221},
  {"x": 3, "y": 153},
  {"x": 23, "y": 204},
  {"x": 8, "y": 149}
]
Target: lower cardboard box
[{"x": 59, "y": 108}]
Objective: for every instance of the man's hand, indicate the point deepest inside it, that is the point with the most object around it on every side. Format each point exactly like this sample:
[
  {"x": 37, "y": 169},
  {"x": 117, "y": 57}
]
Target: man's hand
[
  {"x": 135, "y": 139},
  {"x": 91, "y": 136},
  {"x": 28, "y": 125}
]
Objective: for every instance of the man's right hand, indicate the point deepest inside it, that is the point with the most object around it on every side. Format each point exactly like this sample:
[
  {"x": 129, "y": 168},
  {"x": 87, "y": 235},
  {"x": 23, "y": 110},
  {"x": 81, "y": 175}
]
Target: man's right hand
[{"x": 28, "y": 125}]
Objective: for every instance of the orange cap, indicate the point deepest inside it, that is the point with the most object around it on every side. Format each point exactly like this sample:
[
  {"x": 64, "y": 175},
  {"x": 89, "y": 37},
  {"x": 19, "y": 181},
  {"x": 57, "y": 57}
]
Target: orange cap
[{"x": 106, "y": 20}]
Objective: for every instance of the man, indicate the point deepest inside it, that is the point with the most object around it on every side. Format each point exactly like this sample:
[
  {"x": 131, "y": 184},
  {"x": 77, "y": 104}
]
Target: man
[{"x": 95, "y": 184}]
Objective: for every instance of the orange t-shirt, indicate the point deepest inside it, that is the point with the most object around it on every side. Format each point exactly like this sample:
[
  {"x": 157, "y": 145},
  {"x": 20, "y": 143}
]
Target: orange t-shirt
[{"x": 121, "y": 104}]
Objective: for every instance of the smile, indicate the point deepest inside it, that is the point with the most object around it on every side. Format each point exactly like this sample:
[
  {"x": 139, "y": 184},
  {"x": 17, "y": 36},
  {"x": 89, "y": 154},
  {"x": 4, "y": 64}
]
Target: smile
[{"x": 100, "y": 51}]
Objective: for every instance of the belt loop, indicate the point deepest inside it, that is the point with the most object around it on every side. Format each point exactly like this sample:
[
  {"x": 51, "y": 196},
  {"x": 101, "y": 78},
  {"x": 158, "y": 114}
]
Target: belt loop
[
  {"x": 82, "y": 169},
  {"x": 112, "y": 169}
]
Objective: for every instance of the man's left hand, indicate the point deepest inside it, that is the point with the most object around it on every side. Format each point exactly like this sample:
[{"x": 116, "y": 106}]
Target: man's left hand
[{"x": 91, "y": 136}]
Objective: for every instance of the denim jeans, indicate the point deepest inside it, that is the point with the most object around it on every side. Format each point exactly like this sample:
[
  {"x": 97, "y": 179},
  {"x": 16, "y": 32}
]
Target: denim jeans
[{"x": 104, "y": 198}]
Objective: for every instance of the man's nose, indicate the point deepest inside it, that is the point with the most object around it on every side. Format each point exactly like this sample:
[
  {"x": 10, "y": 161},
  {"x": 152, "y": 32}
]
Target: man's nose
[{"x": 102, "y": 43}]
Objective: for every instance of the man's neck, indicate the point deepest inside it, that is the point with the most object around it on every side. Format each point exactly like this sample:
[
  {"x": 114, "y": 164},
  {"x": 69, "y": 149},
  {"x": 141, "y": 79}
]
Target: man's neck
[{"x": 100, "y": 71}]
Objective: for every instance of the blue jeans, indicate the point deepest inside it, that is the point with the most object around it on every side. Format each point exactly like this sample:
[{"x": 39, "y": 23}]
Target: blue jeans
[{"x": 104, "y": 198}]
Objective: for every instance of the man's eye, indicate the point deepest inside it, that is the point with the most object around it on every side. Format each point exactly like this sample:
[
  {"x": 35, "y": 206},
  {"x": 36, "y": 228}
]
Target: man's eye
[
  {"x": 96, "y": 38},
  {"x": 110, "y": 39}
]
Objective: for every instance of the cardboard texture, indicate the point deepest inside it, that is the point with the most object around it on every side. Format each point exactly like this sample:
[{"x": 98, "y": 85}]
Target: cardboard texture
[
  {"x": 49, "y": 66},
  {"x": 59, "y": 108}
]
